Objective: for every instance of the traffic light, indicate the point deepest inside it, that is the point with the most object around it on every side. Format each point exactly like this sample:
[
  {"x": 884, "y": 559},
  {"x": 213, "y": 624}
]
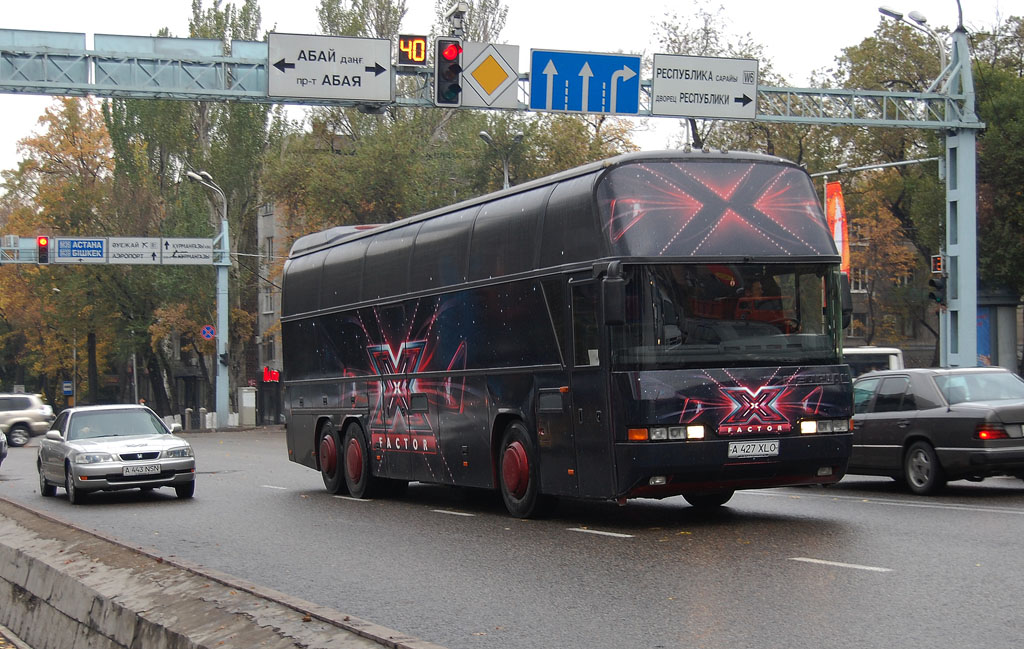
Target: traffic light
[
  {"x": 43, "y": 249},
  {"x": 224, "y": 359},
  {"x": 938, "y": 290},
  {"x": 448, "y": 72}
]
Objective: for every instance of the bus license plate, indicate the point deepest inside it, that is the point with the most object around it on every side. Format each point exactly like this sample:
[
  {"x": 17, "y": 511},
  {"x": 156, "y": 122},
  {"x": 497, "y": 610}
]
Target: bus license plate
[
  {"x": 141, "y": 469},
  {"x": 754, "y": 449}
]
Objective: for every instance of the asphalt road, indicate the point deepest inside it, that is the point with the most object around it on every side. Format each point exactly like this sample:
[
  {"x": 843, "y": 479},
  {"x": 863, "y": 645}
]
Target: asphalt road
[{"x": 860, "y": 564}]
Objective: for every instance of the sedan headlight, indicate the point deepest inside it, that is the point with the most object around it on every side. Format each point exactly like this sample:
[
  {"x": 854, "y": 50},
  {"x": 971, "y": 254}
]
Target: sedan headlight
[
  {"x": 184, "y": 451},
  {"x": 93, "y": 458}
]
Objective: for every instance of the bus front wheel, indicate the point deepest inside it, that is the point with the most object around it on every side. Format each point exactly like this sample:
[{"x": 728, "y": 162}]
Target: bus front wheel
[
  {"x": 518, "y": 473},
  {"x": 708, "y": 501},
  {"x": 356, "y": 459},
  {"x": 330, "y": 460}
]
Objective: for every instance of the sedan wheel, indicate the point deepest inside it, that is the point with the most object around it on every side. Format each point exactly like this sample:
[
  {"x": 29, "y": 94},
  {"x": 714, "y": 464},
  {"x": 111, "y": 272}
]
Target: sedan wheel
[
  {"x": 46, "y": 489},
  {"x": 921, "y": 469},
  {"x": 186, "y": 490},
  {"x": 75, "y": 496}
]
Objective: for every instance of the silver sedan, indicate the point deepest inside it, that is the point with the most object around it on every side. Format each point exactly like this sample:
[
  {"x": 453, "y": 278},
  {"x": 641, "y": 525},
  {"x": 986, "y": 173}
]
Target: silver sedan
[{"x": 108, "y": 448}]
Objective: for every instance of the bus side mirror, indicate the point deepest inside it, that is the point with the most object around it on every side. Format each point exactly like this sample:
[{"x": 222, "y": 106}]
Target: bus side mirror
[
  {"x": 614, "y": 300},
  {"x": 847, "y": 299}
]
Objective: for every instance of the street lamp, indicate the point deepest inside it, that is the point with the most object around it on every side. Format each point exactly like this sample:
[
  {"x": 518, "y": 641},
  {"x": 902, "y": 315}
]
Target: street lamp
[
  {"x": 223, "y": 263},
  {"x": 920, "y": 24},
  {"x": 504, "y": 153}
]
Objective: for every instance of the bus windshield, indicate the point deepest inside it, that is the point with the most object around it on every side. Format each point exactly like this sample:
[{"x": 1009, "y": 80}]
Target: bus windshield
[{"x": 726, "y": 315}]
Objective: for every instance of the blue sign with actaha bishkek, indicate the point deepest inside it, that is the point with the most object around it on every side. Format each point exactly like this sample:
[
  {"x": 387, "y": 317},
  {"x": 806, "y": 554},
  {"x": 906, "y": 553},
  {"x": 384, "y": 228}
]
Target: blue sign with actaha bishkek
[{"x": 81, "y": 250}]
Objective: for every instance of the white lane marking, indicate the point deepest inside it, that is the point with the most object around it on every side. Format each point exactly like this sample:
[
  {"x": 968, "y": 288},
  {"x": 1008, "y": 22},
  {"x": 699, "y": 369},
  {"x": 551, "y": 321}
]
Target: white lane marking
[
  {"x": 270, "y": 486},
  {"x": 355, "y": 500},
  {"x": 883, "y": 501},
  {"x": 600, "y": 532},
  {"x": 839, "y": 564},
  {"x": 451, "y": 513}
]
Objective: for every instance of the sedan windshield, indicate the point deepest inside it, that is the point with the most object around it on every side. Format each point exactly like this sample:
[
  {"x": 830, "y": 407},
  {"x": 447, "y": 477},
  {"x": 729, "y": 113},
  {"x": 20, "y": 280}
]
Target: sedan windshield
[
  {"x": 981, "y": 386},
  {"x": 114, "y": 423},
  {"x": 727, "y": 315}
]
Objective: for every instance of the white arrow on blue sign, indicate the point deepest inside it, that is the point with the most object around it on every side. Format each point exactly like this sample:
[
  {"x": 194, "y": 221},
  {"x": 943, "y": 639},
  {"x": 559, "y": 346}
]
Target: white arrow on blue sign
[{"x": 584, "y": 82}]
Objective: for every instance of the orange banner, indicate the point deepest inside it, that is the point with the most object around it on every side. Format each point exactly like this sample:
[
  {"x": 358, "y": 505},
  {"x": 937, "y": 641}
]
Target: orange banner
[{"x": 835, "y": 212}]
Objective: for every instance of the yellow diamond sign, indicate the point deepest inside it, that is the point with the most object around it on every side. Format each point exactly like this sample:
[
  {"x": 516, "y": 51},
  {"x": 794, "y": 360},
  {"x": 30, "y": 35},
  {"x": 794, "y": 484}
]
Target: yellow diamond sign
[{"x": 492, "y": 76}]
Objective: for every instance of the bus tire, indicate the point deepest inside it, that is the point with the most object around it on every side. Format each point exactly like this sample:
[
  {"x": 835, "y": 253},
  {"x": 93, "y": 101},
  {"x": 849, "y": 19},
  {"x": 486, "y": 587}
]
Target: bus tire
[
  {"x": 708, "y": 501},
  {"x": 518, "y": 473},
  {"x": 356, "y": 463},
  {"x": 329, "y": 453}
]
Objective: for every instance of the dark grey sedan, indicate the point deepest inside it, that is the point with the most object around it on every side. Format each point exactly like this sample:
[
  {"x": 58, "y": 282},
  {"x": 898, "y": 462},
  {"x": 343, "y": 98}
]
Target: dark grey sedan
[
  {"x": 109, "y": 448},
  {"x": 928, "y": 426}
]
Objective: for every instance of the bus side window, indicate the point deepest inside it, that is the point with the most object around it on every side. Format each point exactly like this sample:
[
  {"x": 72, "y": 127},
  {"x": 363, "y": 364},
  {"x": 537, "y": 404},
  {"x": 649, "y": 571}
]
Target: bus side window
[{"x": 586, "y": 336}]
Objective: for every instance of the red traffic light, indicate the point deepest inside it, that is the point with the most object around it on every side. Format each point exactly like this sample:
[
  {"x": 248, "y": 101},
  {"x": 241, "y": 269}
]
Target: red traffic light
[
  {"x": 451, "y": 51},
  {"x": 43, "y": 249}
]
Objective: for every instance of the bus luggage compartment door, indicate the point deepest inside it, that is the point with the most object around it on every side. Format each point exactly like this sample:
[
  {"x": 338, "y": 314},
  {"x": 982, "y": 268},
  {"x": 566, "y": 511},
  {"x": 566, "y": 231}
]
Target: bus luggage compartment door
[{"x": 554, "y": 439}]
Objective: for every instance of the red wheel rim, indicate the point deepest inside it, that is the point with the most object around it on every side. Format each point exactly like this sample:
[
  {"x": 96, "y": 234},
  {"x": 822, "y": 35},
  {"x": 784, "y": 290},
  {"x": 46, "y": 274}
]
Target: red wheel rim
[
  {"x": 354, "y": 460},
  {"x": 328, "y": 455},
  {"x": 515, "y": 469}
]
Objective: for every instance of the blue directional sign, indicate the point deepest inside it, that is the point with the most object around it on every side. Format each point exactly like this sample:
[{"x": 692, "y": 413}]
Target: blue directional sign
[
  {"x": 69, "y": 250},
  {"x": 583, "y": 82}
]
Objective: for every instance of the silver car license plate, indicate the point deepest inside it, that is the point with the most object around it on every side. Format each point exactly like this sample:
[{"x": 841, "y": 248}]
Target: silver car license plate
[
  {"x": 141, "y": 469},
  {"x": 761, "y": 448}
]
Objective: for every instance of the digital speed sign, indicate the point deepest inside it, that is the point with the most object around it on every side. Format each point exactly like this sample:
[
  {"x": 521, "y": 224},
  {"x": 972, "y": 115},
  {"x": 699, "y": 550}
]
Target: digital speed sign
[{"x": 412, "y": 50}]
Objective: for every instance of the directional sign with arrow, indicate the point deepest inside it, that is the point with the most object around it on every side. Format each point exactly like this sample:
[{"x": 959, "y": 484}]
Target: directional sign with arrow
[
  {"x": 330, "y": 67},
  {"x": 704, "y": 87},
  {"x": 584, "y": 82}
]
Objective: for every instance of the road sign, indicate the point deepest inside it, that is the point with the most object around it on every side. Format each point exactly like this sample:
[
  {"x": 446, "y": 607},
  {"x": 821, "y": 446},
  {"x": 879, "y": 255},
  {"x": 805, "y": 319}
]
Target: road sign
[
  {"x": 68, "y": 388},
  {"x": 584, "y": 82},
  {"x": 491, "y": 79},
  {"x": 70, "y": 250},
  {"x": 133, "y": 250},
  {"x": 209, "y": 332},
  {"x": 187, "y": 251},
  {"x": 704, "y": 86},
  {"x": 330, "y": 67}
]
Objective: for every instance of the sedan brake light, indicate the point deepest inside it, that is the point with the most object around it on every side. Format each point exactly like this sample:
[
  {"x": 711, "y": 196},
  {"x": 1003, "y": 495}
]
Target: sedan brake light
[{"x": 990, "y": 431}]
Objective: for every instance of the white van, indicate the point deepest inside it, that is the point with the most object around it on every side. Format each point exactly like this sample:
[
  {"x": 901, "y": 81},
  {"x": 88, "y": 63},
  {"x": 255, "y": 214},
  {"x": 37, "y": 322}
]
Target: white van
[{"x": 868, "y": 357}]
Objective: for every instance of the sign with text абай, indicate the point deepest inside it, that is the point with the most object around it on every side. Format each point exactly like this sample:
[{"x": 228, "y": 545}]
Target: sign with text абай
[
  {"x": 192, "y": 252},
  {"x": 75, "y": 250},
  {"x": 133, "y": 250},
  {"x": 330, "y": 67},
  {"x": 704, "y": 87},
  {"x": 584, "y": 82}
]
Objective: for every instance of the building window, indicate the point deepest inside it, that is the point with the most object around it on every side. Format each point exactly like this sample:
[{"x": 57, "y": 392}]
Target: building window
[
  {"x": 859, "y": 280},
  {"x": 859, "y": 325},
  {"x": 268, "y": 250},
  {"x": 267, "y": 209},
  {"x": 268, "y": 299},
  {"x": 268, "y": 348}
]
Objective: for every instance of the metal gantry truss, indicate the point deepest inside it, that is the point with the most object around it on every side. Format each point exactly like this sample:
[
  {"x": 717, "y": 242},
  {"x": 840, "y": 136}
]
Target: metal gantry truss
[{"x": 58, "y": 63}]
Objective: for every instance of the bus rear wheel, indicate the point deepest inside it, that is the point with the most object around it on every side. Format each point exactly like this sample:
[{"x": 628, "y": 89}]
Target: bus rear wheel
[
  {"x": 518, "y": 474},
  {"x": 329, "y": 452},
  {"x": 358, "y": 476}
]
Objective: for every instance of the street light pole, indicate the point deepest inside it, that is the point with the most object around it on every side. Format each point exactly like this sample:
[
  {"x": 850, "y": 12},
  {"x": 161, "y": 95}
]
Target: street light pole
[
  {"x": 223, "y": 263},
  {"x": 504, "y": 153},
  {"x": 920, "y": 24}
]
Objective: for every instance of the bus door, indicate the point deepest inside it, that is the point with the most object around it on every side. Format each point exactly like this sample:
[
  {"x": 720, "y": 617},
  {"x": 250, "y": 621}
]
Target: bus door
[{"x": 587, "y": 383}]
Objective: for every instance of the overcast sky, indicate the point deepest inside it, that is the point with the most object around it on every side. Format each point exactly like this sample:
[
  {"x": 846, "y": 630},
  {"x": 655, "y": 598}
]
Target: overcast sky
[{"x": 799, "y": 36}]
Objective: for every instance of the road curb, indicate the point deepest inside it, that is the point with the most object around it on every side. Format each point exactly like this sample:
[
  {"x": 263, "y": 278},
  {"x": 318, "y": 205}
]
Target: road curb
[{"x": 64, "y": 586}]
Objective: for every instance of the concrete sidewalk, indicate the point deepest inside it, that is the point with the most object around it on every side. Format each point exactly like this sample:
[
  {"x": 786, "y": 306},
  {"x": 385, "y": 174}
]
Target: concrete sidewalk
[{"x": 62, "y": 587}]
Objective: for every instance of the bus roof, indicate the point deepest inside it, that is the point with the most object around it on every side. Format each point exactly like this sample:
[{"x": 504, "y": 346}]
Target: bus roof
[{"x": 648, "y": 205}]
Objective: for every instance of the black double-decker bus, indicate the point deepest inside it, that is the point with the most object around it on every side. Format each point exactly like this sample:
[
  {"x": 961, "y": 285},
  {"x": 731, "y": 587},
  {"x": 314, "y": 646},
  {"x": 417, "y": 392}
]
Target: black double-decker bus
[{"x": 651, "y": 325}]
